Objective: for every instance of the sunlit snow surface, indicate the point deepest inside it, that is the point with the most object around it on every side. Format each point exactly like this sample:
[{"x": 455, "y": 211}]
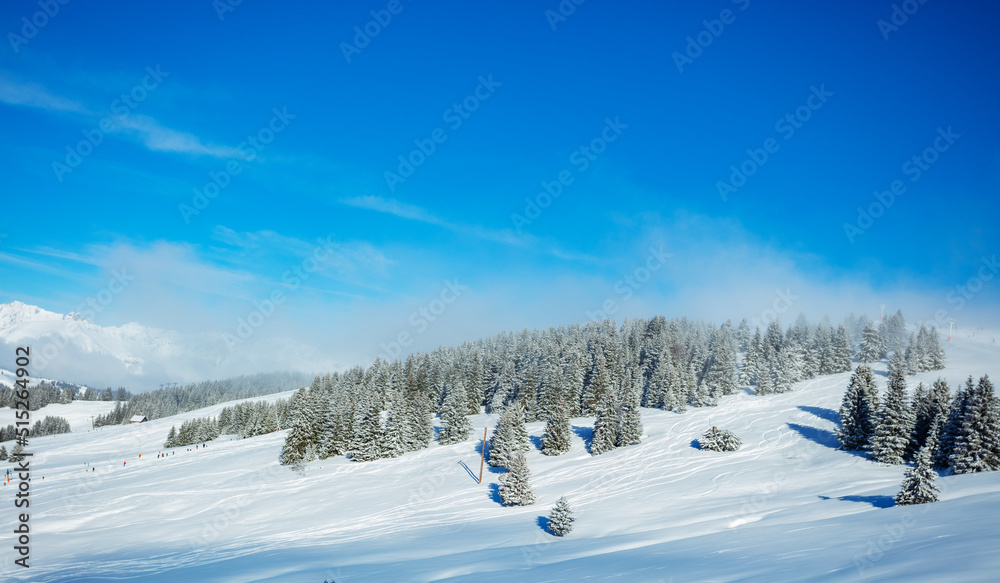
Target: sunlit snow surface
[{"x": 788, "y": 506}]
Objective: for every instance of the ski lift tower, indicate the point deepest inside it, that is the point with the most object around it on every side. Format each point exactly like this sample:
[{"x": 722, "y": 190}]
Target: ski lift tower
[
  {"x": 951, "y": 323},
  {"x": 882, "y": 316}
]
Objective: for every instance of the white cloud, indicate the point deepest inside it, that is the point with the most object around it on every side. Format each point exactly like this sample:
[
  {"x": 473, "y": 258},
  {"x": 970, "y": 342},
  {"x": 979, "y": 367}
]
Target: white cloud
[{"x": 34, "y": 95}]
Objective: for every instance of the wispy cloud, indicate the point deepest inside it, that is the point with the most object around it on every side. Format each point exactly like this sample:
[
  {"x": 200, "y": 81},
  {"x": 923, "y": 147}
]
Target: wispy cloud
[
  {"x": 163, "y": 139},
  {"x": 416, "y": 213},
  {"x": 150, "y": 133},
  {"x": 394, "y": 207},
  {"x": 34, "y": 95}
]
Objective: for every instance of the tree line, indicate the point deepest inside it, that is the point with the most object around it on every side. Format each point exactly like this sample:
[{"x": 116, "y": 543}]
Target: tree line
[{"x": 599, "y": 369}]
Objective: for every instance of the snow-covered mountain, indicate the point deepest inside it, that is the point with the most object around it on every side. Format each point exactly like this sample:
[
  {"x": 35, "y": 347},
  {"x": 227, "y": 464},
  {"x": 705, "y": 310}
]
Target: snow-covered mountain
[{"x": 71, "y": 347}]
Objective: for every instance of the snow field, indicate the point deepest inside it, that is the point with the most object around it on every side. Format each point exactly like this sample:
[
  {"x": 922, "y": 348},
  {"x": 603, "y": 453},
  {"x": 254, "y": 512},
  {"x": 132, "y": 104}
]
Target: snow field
[{"x": 788, "y": 506}]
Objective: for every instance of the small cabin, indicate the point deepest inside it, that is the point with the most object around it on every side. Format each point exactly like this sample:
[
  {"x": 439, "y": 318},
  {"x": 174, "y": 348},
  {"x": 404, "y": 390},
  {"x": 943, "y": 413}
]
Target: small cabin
[{"x": 138, "y": 419}]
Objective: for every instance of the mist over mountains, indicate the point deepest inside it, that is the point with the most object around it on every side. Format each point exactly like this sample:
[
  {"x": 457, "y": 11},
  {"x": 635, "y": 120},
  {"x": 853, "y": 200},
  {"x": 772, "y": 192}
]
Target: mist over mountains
[{"x": 72, "y": 348}]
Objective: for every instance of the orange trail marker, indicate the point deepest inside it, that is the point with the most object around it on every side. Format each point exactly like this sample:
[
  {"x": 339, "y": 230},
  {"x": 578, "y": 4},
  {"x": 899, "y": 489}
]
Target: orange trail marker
[{"x": 483, "y": 458}]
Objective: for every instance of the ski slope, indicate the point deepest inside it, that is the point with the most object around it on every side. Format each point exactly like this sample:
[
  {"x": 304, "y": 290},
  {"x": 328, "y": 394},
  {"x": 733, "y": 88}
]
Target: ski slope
[{"x": 788, "y": 506}]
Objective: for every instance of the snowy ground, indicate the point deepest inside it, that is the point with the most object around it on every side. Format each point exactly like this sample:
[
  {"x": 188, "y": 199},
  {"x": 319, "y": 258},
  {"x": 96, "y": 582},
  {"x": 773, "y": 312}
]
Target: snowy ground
[{"x": 787, "y": 507}]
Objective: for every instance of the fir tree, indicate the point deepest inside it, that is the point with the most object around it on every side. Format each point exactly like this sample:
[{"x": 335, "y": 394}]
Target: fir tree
[
  {"x": 975, "y": 446},
  {"x": 931, "y": 410},
  {"x": 918, "y": 483},
  {"x": 365, "y": 440},
  {"x": 951, "y": 431},
  {"x": 455, "y": 426},
  {"x": 515, "y": 484},
  {"x": 171, "y": 437},
  {"x": 3, "y": 453},
  {"x": 606, "y": 426},
  {"x": 556, "y": 439},
  {"x": 858, "y": 410},
  {"x": 895, "y": 419},
  {"x": 716, "y": 439},
  {"x": 561, "y": 518},
  {"x": 630, "y": 420},
  {"x": 16, "y": 454},
  {"x": 842, "y": 350},
  {"x": 871, "y": 344}
]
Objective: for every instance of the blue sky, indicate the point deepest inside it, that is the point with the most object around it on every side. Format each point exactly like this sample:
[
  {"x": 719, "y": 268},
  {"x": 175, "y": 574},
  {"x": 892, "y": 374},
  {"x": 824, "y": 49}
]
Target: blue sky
[{"x": 618, "y": 99}]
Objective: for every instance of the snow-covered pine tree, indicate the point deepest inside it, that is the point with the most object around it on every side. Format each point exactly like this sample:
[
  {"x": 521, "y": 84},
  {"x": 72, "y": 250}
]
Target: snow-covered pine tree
[
  {"x": 975, "y": 448},
  {"x": 392, "y": 441},
  {"x": 752, "y": 364},
  {"x": 171, "y": 437},
  {"x": 419, "y": 422},
  {"x": 455, "y": 426},
  {"x": 871, "y": 344},
  {"x": 365, "y": 443},
  {"x": 16, "y": 454},
  {"x": 716, "y": 439},
  {"x": 842, "y": 350},
  {"x": 931, "y": 409},
  {"x": 293, "y": 452},
  {"x": 629, "y": 419},
  {"x": 934, "y": 350},
  {"x": 3, "y": 453},
  {"x": 858, "y": 410},
  {"x": 561, "y": 518},
  {"x": 556, "y": 439},
  {"x": 515, "y": 484},
  {"x": 951, "y": 431},
  {"x": 918, "y": 482},
  {"x": 895, "y": 418},
  {"x": 721, "y": 375},
  {"x": 606, "y": 426}
]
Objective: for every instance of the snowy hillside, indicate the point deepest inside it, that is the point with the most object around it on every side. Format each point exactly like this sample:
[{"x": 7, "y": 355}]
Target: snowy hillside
[
  {"x": 72, "y": 348},
  {"x": 788, "y": 506}
]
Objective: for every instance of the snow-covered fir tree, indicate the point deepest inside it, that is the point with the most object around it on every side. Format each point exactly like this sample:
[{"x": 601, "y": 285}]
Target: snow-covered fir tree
[
  {"x": 976, "y": 443},
  {"x": 716, "y": 439},
  {"x": 858, "y": 410},
  {"x": 930, "y": 410},
  {"x": 515, "y": 484},
  {"x": 871, "y": 344},
  {"x": 171, "y": 438},
  {"x": 561, "y": 518},
  {"x": 895, "y": 417},
  {"x": 918, "y": 482},
  {"x": 951, "y": 431},
  {"x": 556, "y": 439},
  {"x": 455, "y": 426}
]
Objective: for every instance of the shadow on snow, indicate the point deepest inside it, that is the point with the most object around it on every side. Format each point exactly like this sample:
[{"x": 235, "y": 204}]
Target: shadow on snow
[{"x": 823, "y": 413}]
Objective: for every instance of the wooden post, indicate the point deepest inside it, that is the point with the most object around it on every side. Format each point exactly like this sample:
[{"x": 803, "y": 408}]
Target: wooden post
[{"x": 483, "y": 458}]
